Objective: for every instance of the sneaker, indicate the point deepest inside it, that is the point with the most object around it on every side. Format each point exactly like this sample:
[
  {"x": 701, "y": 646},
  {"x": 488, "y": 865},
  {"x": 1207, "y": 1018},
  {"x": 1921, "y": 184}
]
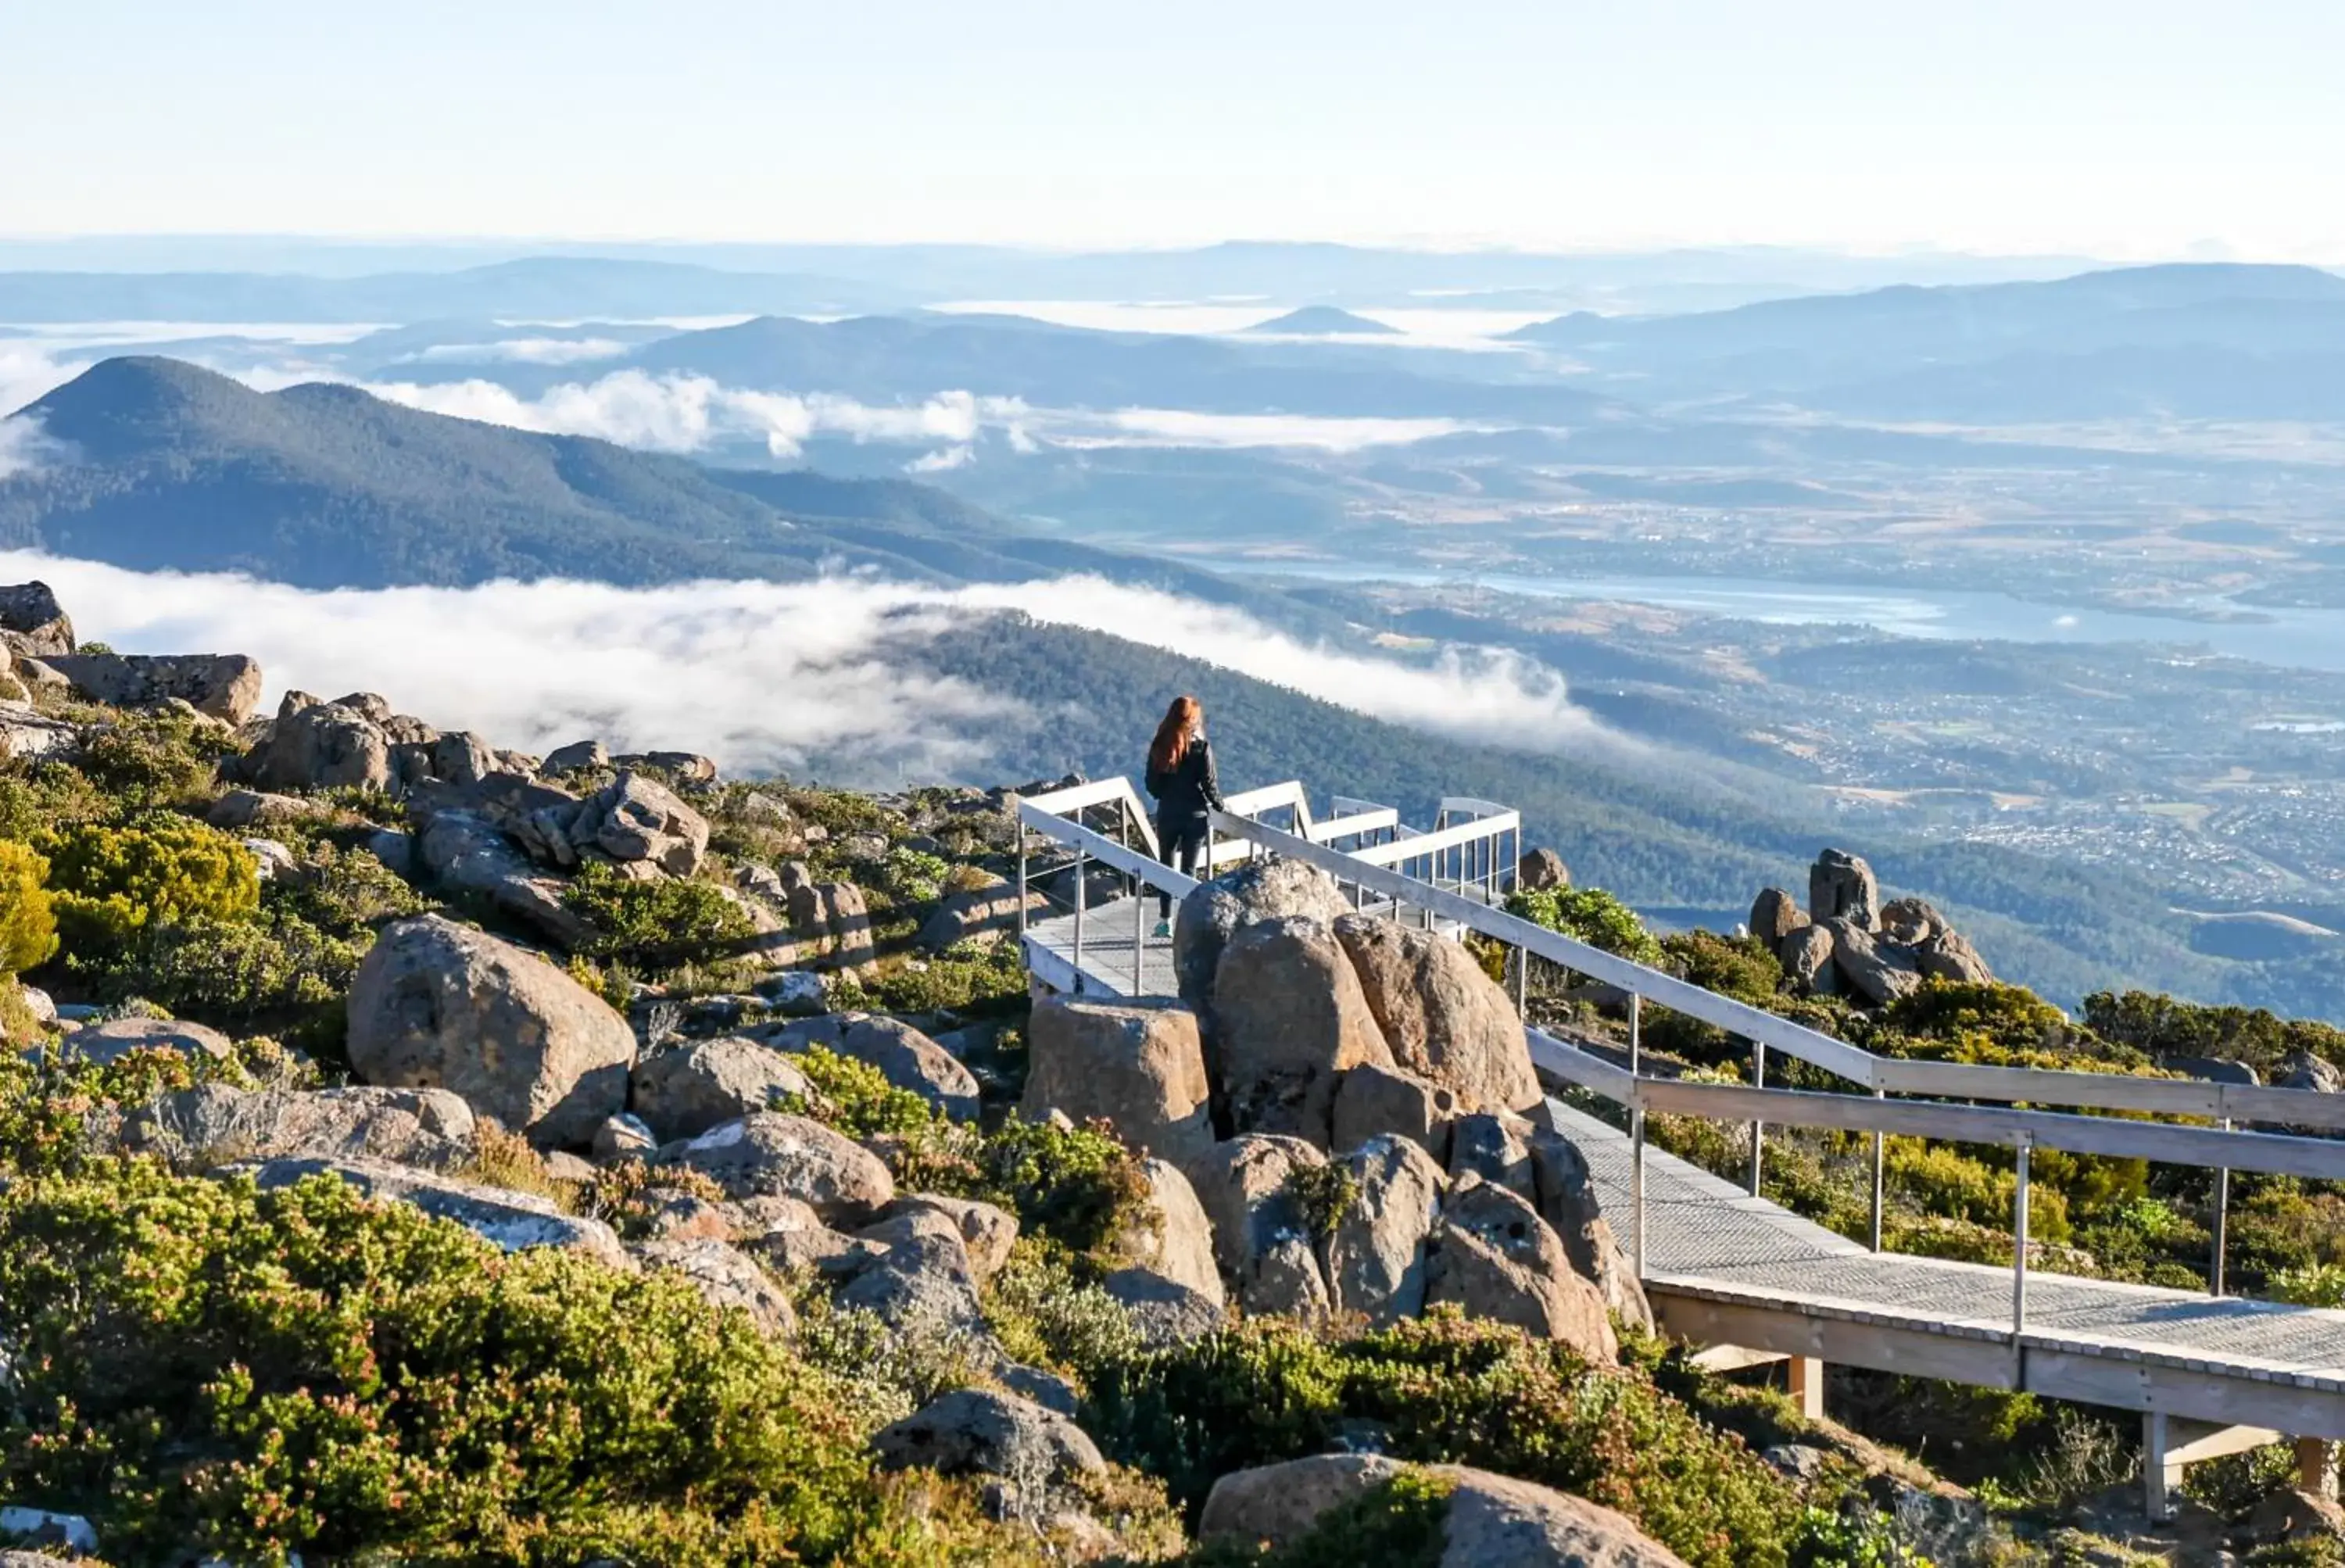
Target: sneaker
[{"x": 1163, "y": 928}]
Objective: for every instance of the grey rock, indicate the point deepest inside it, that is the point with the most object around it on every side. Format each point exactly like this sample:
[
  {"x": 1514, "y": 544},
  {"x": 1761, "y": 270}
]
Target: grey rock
[
  {"x": 467, "y": 853},
  {"x": 684, "y": 1092},
  {"x": 1494, "y": 1257},
  {"x": 1292, "y": 1020},
  {"x": 1376, "y": 1257},
  {"x": 832, "y": 915},
  {"x": 1568, "y": 1201},
  {"x": 1541, "y": 869},
  {"x": 255, "y": 809},
  {"x": 1911, "y": 921},
  {"x": 1495, "y": 1148},
  {"x": 793, "y": 1157},
  {"x": 1048, "y": 1390},
  {"x": 1373, "y": 1100},
  {"x": 1842, "y": 886},
  {"x": 984, "y": 913},
  {"x": 977, "y": 1432},
  {"x": 986, "y": 1230},
  {"x": 1173, "y": 1237},
  {"x": 922, "y": 1281},
  {"x": 1498, "y": 1521},
  {"x": 909, "y": 1059},
  {"x": 322, "y": 745},
  {"x": 636, "y": 817},
  {"x": 727, "y": 1277},
  {"x": 513, "y": 1220},
  {"x": 213, "y": 1123},
  {"x": 225, "y": 687},
  {"x": 1870, "y": 966},
  {"x": 460, "y": 757},
  {"x": 1278, "y": 1504},
  {"x": 1264, "y": 887},
  {"x": 109, "y": 1041},
  {"x": 33, "y": 622},
  {"x": 393, "y": 849},
  {"x": 1444, "y": 1019},
  {"x": 624, "y": 1136},
  {"x": 575, "y": 756},
  {"x": 1163, "y": 1312},
  {"x": 1261, "y": 1239},
  {"x": 2302, "y": 1069},
  {"x": 1948, "y": 955},
  {"x": 440, "y": 1005},
  {"x": 1807, "y": 957},
  {"x": 27, "y": 736},
  {"x": 1774, "y": 916}
]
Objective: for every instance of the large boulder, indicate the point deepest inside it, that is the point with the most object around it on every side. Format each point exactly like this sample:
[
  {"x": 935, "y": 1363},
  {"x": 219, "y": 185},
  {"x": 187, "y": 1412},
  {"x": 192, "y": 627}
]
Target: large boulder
[
  {"x": 1293, "y": 1019},
  {"x": 33, "y": 622},
  {"x": 321, "y": 745},
  {"x": 986, "y": 1230},
  {"x": 723, "y": 1276},
  {"x": 1498, "y": 1149},
  {"x": 1263, "y": 888},
  {"x": 1376, "y": 1257},
  {"x": 2300, "y": 1069},
  {"x": 27, "y": 734},
  {"x": 1842, "y": 886},
  {"x": 684, "y": 1092},
  {"x": 109, "y": 1041},
  {"x": 467, "y": 853},
  {"x": 920, "y": 1280},
  {"x": 636, "y": 818},
  {"x": 1496, "y": 1257},
  {"x": 1276, "y": 1505},
  {"x": 984, "y": 913},
  {"x": 1541, "y": 870},
  {"x": 1165, "y": 1312},
  {"x": 1173, "y": 1238},
  {"x": 1870, "y": 966},
  {"x": 791, "y": 1156},
  {"x": 833, "y": 916},
  {"x": 212, "y": 1124},
  {"x": 1911, "y": 921},
  {"x": 1568, "y": 1201},
  {"x": 1372, "y": 1100},
  {"x": 980, "y": 1432},
  {"x": 1775, "y": 915},
  {"x": 224, "y": 686},
  {"x": 1139, "y": 1065},
  {"x": 909, "y": 1059},
  {"x": 1949, "y": 955},
  {"x": 1260, "y": 1238},
  {"x": 1444, "y": 1019},
  {"x": 440, "y": 1005},
  {"x": 513, "y": 1220},
  {"x": 1807, "y": 957}
]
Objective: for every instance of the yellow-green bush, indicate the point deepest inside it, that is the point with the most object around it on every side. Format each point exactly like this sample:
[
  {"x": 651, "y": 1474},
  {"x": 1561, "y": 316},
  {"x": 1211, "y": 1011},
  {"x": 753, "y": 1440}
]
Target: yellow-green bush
[
  {"x": 111, "y": 882},
  {"x": 28, "y": 928}
]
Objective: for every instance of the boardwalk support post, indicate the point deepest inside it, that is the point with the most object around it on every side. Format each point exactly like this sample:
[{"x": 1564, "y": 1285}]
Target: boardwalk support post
[
  {"x": 2161, "y": 1472},
  {"x": 1079, "y": 880},
  {"x": 2222, "y": 1225},
  {"x": 2019, "y": 1244},
  {"x": 1808, "y": 1386},
  {"x": 1758, "y": 1128},
  {"x": 1021, "y": 881},
  {"x": 2315, "y": 1466}
]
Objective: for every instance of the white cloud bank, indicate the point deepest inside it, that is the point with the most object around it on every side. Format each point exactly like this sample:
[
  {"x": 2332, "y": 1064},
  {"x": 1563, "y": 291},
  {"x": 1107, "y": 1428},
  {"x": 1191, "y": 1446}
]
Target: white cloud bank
[{"x": 760, "y": 674}]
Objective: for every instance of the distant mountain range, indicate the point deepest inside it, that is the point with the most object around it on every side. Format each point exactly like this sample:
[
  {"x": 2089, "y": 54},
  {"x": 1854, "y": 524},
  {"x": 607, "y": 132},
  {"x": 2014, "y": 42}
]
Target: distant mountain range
[
  {"x": 165, "y": 465},
  {"x": 1321, "y": 320}
]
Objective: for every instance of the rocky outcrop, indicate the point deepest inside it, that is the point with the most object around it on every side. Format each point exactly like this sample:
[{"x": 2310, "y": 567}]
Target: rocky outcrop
[
  {"x": 465, "y": 853},
  {"x": 1948, "y": 955},
  {"x": 33, "y": 622},
  {"x": 513, "y": 1220},
  {"x": 1541, "y": 870},
  {"x": 27, "y": 736},
  {"x": 986, "y": 1231},
  {"x": 1842, "y": 886},
  {"x": 921, "y": 1281},
  {"x": 1276, "y": 1505},
  {"x": 1807, "y": 957},
  {"x": 2300, "y": 1069},
  {"x": 983, "y": 915},
  {"x": 726, "y": 1278},
  {"x": 1494, "y": 1257},
  {"x": 638, "y": 819},
  {"x": 1292, "y": 1019},
  {"x": 317, "y": 744},
  {"x": 224, "y": 685},
  {"x": 790, "y": 1157},
  {"x": 702, "y": 1083},
  {"x": 440, "y": 1005},
  {"x": 1139, "y": 1066},
  {"x": 832, "y": 917},
  {"x": 1495, "y": 1148},
  {"x": 1260, "y": 1238},
  {"x": 1372, "y": 1100},
  {"x": 1442, "y": 1017},
  {"x": 1774, "y": 916},
  {"x": 111, "y": 1040},
  {"x": 1566, "y": 1200},
  {"x": 1262, "y": 888},
  {"x": 578, "y": 757},
  {"x": 1173, "y": 1238},
  {"x": 214, "y": 1124},
  {"x": 909, "y": 1059},
  {"x": 1375, "y": 1258},
  {"x": 1162, "y": 1312},
  {"x": 979, "y": 1431},
  {"x": 1877, "y": 970}
]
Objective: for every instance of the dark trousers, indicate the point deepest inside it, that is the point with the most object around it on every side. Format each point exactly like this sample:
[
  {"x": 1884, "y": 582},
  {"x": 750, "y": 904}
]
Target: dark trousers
[{"x": 1182, "y": 841}]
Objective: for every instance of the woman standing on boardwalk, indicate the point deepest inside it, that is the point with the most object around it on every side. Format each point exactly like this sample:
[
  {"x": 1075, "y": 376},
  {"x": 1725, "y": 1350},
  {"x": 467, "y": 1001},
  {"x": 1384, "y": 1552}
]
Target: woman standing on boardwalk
[{"x": 1181, "y": 777}]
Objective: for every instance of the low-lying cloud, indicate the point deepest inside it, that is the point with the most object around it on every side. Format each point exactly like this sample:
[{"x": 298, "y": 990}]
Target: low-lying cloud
[{"x": 761, "y": 675}]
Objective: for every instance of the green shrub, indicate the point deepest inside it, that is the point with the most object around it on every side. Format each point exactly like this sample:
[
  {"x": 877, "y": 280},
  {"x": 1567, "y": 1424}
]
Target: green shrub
[
  {"x": 253, "y": 1374},
  {"x": 1326, "y": 1194},
  {"x": 1592, "y": 916},
  {"x": 1444, "y": 1390},
  {"x": 348, "y": 891},
  {"x": 2315, "y": 1285},
  {"x": 913, "y": 876},
  {"x": 1047, "y": 1310},
  {"x": 52, "y": 1122},
  {"x": 1078, "y": 1186},
  {"x": 856, "y": 1097},
  {"x": 671, "y": 921},
  {"x": 972, "y": 977},
  {"x": 109, "y": 883},
  {"x": 28, "y": 928},
  {"x": 150, "y": 759}
]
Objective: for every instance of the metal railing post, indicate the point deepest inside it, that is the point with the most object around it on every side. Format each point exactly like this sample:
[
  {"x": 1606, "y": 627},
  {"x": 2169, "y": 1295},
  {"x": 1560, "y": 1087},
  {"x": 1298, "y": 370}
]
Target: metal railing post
[
  {"x": 1022, "y": 880},
  {"x": 1636, "y": 1132},
  {"x": 1758, "y": 1128},
  {"x": 1879, "y": 1162},
  {"x": 2222, "y": 1222},
  {"x": 2026, "y": 1142},
  {"x": 1079, "y": 901}
]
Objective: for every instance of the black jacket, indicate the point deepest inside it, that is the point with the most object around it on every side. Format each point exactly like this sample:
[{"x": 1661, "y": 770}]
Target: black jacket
[{"x": 1184, "y": 790}]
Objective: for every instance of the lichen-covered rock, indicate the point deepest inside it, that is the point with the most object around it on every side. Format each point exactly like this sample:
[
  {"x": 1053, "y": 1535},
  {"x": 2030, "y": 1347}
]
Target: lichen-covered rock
[
  {"x": 986, "y": 1230},
  {"x": 1443, "y": 1018},
  {"x": 1871, "y": 967},
  {"x": 320, "y": 745},
  {"x": 1141, "y": 1066},
  {"x": 909, "y": 1059},
  {"x": 1496, "y": 1259},
  {"x": 921, "y": 1278},
  {"x": 684, "y": 1092},
  {"x": 791, "y": 1156},
  {"x": 1498, "y": 1149},
  {"x": 1375, "y": 1257},
  {"x": 223, "y": 686},
  {"x": 1842, "y": 886},
  {"x": 977, "y": 1432},
  {"x": 1165, "y": 1312},
  {"x": 1260, "y": 1238},
  {"x": 1264, "y": 887},
  {"x": 1807, "y": 957},
  {"x": 636, "y": 817},
  {"x": 1568, "y": 1201},
  {"x": 1293, "y": 1019},
  {"x": 513, "y": 1220},
  {"x": 467, "y": 853},
  {"x": 725, "y": 1276},
  {"x": 440, "y": 1005},
  {"x": 1173, "y": 1238},
  {"x": 117, "y": 1037},
  {"x": 1373, "y": 1100},
  {"x": 211, "y": 1123},
  {"x": 1775, "y": 915}
]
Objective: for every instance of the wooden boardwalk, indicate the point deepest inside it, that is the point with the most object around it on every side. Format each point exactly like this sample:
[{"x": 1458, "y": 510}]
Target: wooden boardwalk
[{"x": 1726, "y": 1269}]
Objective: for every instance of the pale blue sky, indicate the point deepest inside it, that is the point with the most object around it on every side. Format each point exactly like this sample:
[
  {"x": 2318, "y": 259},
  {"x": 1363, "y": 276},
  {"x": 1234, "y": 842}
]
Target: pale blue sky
[{"x": 2119, "y": 128}]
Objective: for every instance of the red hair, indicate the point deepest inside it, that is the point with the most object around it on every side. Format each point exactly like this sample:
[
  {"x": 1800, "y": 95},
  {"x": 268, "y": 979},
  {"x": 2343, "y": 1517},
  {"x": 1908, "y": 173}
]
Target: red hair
[{"x": 1171, "y": 742}]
